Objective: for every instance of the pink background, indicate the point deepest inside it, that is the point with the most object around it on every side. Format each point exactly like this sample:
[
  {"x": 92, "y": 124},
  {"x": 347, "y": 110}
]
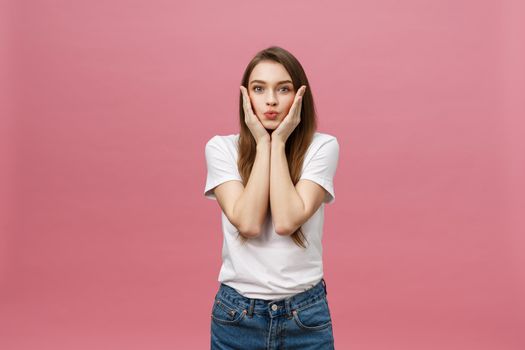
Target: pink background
[{"x": 107, "y": 241}]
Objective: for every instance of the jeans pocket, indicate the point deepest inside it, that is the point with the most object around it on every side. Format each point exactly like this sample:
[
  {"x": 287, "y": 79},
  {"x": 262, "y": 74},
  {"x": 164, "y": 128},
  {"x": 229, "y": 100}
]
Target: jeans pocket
[
  {"x": 224, "y": 313},
  {"x": 315, "y": 316}
]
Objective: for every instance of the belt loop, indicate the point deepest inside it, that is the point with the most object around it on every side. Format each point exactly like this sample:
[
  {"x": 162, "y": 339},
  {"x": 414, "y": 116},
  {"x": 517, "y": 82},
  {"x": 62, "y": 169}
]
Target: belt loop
[
  {"x": 324, "y": 286},
  {"x": 250, "y": 308},
  {"x": 287, "y": 303}
]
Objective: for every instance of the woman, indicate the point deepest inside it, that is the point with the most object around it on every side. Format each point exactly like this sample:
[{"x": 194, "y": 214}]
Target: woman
[{"x": 271, "y": 182}]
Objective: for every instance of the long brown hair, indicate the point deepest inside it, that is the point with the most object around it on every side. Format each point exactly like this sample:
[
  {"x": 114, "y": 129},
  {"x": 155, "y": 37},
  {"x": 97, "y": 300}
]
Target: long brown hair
[{"x": 301, "y": 137}]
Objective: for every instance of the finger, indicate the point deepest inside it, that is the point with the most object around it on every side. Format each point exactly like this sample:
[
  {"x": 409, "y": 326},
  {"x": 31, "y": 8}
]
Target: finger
[
  {"x": 243, "y": 92},
  {"x": 243, "y": 101},
  {"x": 297, "y": 103},
  {"x": 247, "y": 106},
  {"x": 244, "y": 98},
  {"x": 246, "y": 94},
  {"x": 304, "y": 89},
  {"x": 299, "y": 94},
  {"x": 296, "y": 107},
  {"x": 300, "y": 91}
]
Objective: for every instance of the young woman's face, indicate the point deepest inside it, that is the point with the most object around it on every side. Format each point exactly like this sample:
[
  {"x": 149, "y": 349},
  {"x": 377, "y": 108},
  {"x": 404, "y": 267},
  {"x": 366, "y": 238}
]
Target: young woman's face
[{"x": 270, "y": 89}]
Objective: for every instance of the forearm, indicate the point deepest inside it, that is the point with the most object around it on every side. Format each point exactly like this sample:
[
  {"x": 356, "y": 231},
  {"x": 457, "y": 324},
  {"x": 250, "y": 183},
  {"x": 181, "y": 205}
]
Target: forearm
[
  {"x": 285, "y": 202},
  {"x": 252, "y": 206}
]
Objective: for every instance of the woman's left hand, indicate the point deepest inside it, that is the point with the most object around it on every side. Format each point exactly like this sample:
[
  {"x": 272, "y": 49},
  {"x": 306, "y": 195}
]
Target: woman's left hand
[{"x": 292, "y": 119}]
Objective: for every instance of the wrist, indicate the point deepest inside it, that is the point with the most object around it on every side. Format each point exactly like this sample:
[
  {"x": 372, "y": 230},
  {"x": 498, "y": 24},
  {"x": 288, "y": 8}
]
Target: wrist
[
  {"x": 263, "y": 142},
  {"x": 277, "y": 142}
]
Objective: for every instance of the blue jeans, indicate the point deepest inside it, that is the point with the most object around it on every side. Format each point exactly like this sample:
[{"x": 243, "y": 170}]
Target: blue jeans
[{"x": 301, "y": 321}]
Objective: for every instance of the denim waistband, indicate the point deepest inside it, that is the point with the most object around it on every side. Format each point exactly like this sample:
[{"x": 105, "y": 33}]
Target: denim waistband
[{"x": 274, "y": 307}]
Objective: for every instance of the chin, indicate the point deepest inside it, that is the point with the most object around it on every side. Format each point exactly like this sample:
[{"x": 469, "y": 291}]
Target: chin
[{"x": 273, "y": 123}]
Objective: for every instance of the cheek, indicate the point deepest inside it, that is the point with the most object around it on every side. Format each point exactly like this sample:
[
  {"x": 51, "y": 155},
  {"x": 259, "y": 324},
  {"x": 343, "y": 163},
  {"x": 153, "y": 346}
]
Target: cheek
[
  {"x": 289, "y": 103},
  {"x": 254, "y": 101}
]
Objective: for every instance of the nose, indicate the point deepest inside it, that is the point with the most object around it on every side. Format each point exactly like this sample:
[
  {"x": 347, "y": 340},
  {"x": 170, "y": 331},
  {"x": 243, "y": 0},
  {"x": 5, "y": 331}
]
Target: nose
[{"x": 271, "y": 100}]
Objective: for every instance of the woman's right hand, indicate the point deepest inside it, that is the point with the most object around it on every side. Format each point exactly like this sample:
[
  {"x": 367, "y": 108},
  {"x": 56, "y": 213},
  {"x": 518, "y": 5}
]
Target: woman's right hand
[{"x": 254, "y": 124}]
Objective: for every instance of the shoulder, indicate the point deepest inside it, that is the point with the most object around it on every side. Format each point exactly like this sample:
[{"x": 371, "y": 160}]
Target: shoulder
[
  {"x": 323, "y": 148},
  {"x": 323, "y": 140},
  {"x": 223, "y": 144},
  {"x": 322, "y": 137},
  {"x": 229, "y": 140}
]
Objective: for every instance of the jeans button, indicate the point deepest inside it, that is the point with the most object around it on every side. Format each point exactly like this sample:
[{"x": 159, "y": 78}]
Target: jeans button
[{"x": 274, "y": 307}]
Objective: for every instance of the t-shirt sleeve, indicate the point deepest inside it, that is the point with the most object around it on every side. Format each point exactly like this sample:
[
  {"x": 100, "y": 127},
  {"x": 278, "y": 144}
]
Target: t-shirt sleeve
[
  {"x": 221, "y": 166},
  {"x": 322, "y": 167}
]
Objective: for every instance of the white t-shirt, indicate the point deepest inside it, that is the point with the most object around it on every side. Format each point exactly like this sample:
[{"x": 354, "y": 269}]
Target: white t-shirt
[{"x": 272, "y": 266}]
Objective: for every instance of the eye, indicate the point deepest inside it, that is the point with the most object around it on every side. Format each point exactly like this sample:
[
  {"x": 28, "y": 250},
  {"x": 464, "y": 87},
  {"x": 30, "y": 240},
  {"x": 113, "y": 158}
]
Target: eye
[{"x": 256, "y": 87}]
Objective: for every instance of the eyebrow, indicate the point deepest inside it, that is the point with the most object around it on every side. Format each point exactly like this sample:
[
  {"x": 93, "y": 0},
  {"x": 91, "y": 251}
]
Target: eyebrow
[{"x": 263, "y": 82}]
